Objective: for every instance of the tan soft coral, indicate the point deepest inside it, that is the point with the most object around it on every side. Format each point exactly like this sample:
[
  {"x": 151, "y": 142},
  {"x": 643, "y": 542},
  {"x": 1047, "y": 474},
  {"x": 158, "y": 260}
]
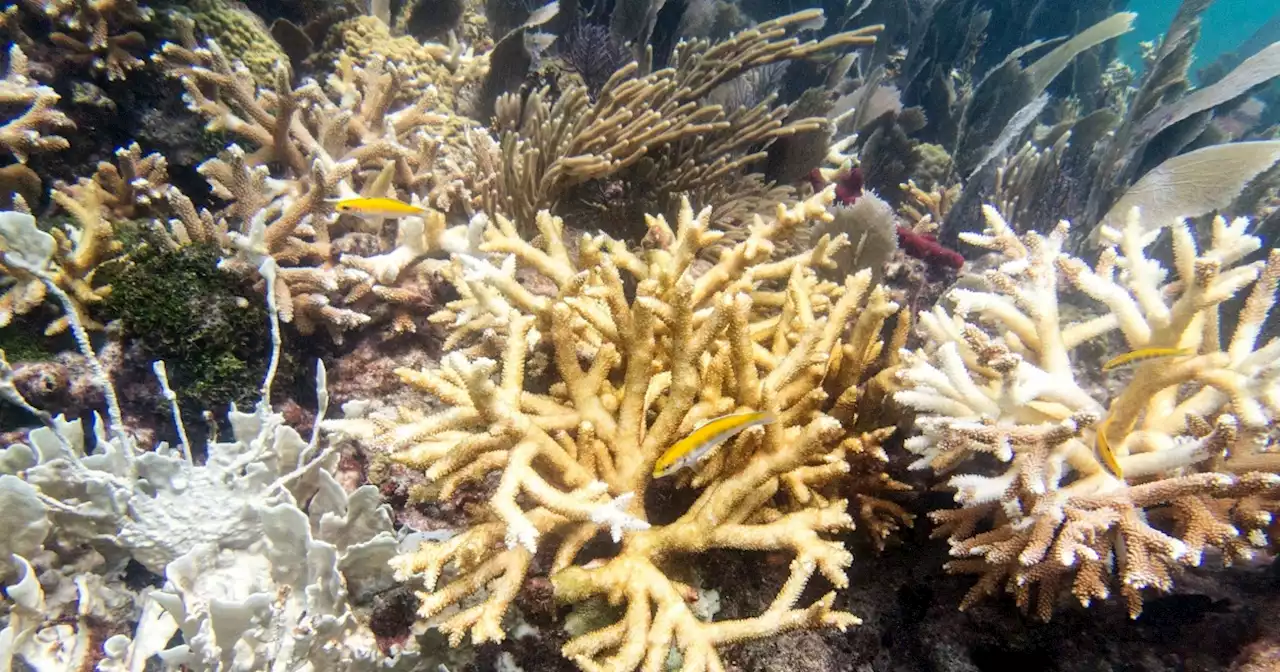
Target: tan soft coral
[
  {"x": 1190, "y": 433},
  {"x": 632, "y": 372},
  {"x": 660, "y": 128}
]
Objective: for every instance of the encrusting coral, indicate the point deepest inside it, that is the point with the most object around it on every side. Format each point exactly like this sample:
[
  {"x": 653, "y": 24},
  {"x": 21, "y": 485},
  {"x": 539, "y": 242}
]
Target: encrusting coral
[
  {"x": 633, "y": 371},
  {"x": 1191, "y": 433}
]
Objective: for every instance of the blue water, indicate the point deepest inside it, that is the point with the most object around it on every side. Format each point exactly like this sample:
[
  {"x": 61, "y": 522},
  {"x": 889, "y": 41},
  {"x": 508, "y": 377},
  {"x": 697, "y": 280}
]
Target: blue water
[{"x": 1226, "y": 24}]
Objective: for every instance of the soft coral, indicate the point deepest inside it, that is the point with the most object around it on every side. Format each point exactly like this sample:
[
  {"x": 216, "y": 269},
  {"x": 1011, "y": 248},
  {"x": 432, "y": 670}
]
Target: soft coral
[
  {"x": 926, "y": 248},
  {"x": 848, "y": 185},
  {"x": 922, "y": 246}
]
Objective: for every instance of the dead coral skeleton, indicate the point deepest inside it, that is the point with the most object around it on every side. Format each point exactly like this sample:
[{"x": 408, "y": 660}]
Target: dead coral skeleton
[
  {"x": 1191, "y": 433},
  {"x": 632, "y": 376}
]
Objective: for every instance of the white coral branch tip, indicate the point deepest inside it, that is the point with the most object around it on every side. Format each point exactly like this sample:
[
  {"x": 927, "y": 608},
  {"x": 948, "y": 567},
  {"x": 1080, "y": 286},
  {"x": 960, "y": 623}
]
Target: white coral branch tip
[{"x": 614, "y": 514}]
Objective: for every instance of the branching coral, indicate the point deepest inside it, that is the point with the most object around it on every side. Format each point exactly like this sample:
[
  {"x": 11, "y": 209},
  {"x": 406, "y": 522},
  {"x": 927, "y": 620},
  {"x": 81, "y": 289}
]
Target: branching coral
[
  {"x": 657, "y": 125},
  {"x": 78, "y": 253},
  {"x": 32, "y": 130},
  {"x": 1191, "y": 433},
  {"x": 333, "y": 141},
  {"x": 633, "y": 372},
  {"x": 131, "y": 187},
  {"x": 97, "y": 33}
]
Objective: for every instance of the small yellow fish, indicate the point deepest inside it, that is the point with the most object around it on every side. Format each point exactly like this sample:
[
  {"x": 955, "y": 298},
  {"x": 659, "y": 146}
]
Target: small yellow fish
[
  {"x": 1104, "y": 450},
  {"x": 687, "y": 451},
  {"x": 377, "y": 207},
  {"x": 1143, "y": 354}
]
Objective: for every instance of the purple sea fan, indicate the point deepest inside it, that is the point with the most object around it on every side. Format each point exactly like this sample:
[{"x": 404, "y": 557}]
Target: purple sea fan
[{"x": 594, "y": 53}]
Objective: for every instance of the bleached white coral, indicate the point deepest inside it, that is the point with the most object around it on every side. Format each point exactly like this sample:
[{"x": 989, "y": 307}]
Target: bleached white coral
[
  {"x": 1189, "y": 432},
  {"x": 263, "y": 551}
]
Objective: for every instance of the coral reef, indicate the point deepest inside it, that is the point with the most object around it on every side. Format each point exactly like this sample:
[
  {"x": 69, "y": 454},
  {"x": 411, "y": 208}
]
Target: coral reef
[
  {"x": 1191, "y": 436},
  {"x": 650, "y": 132},
  {"x": 347, "y": 138},
  {"x": 575, "y": 462},
  {"x": 262, "y": 550},
  {"x": 548, "y": 244}
]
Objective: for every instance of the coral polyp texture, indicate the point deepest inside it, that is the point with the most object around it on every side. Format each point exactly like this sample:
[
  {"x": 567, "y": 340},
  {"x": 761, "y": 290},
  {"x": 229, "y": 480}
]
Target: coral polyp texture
[
  {"x": 1000, "y": 376},
  {"x": 631, "y": 372}
]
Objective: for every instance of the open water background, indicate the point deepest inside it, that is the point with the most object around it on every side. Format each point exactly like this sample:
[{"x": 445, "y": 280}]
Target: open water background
[{"x": 1227, "y": 24}]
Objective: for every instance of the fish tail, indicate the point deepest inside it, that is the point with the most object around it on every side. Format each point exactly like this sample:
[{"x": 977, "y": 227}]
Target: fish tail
[{"x": 1106, "y": 453}]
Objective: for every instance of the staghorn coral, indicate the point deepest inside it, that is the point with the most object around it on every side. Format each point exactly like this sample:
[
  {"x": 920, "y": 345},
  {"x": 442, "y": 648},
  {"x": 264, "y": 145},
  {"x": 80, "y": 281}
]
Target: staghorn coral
[
  {"x": 424, "y": 67},
  {"x": 33, "y": 129},
  {"x": 345, "y": 138},
  {"x": 924, "y": 211},
  {"x": 655, "y": 129},
  {"x": 97, "y": 34},
  {"x": 239, "y": 30},
  {"x": 1192, "y": 434},
  {"x": 630, "y": 376}
]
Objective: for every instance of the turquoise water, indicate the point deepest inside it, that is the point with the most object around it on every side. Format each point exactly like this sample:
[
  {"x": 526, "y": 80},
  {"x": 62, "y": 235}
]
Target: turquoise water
[{"x": 1227, "y": 23}]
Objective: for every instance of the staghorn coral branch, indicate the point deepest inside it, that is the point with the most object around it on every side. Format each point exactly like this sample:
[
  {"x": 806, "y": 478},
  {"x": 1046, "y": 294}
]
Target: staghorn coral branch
[
  {"x": 1188, "y": 433},
  {"x": 631, "y": 372},
  {"x": 32, "y": 130}
]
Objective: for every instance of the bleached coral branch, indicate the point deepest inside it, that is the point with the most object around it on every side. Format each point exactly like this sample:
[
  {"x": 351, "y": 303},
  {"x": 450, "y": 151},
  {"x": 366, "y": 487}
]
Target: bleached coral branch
[{"x": 1189, "y": 432}]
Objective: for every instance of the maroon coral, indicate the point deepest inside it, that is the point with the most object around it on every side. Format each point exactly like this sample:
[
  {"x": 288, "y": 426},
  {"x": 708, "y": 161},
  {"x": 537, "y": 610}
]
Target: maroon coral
[
  {"x": 922, "y": 246},
  {"x": 926, "y": 248}
]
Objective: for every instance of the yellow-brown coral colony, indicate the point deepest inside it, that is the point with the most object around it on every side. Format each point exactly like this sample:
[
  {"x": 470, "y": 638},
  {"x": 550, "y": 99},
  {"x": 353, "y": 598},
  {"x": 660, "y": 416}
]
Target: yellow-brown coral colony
[
  {"x": 595, "y": 267},
  {"x": 630, "y": 375}
]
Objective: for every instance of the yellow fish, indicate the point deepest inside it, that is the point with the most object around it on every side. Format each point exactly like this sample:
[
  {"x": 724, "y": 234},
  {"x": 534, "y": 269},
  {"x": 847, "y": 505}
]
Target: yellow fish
[
  {"x": 1104, "y": 450},
  {"x": 687, "y": 451},
  {"x": 1143, "y": 354},
  {"x": 377, "y": 207}
]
